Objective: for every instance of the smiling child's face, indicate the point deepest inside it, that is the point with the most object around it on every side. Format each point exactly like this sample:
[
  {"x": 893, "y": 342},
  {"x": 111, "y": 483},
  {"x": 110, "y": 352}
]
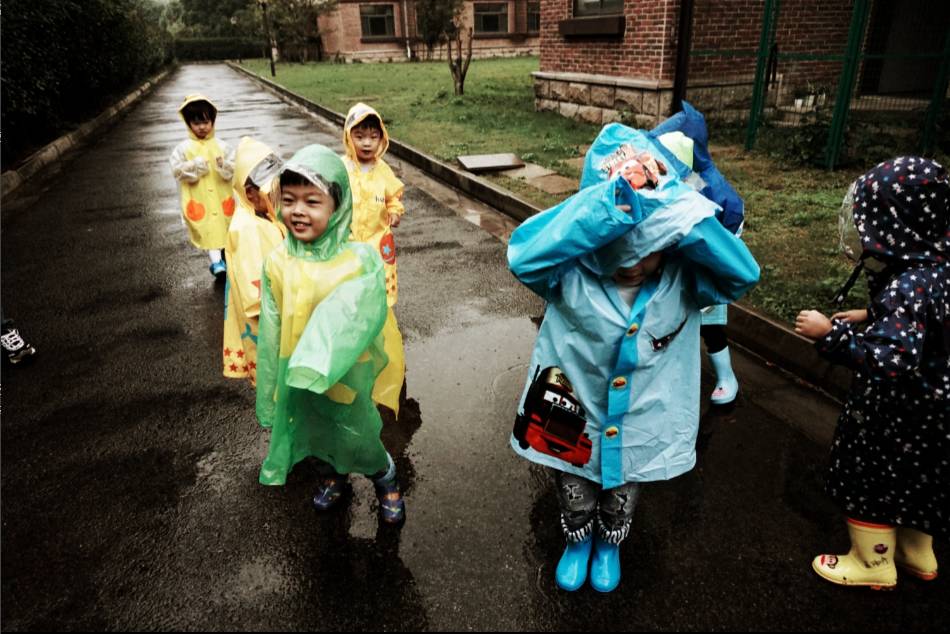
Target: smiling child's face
[{"x": 306, "y": 210}]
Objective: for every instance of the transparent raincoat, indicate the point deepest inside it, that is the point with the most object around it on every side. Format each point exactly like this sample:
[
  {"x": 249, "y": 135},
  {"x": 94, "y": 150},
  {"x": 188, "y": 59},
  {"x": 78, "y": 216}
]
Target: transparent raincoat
[
  {"x": 250, "y": 239},
  {"x": 635, "y": 369},
  {"x": 377, "y": 193},
  {"x": 320, "y": 347},
  {"x": 207, "y": 203}
]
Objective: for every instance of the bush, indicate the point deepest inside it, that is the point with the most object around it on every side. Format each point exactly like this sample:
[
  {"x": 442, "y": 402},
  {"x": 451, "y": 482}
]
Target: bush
[
  {"x": 216, "y": 48},
  {"x": 63, "y": 61}
]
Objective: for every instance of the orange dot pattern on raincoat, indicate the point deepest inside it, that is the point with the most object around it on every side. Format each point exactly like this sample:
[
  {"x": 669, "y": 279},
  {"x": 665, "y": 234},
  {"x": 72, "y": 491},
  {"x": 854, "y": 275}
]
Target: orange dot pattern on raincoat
[
  {"x": 228, "y": 207},
  {"x": 195, "y": 210}
]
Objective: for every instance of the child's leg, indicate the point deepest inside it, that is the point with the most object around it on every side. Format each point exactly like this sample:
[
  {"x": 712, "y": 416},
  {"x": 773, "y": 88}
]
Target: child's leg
[
  {"x": 392, "y": 508},
  {"x": 217, "y": 266},
  {"x": 915, "y": 553},
  {"x": 577, "y": 498},
  {"x": 727, "y": 386},
  {"x": 614, "y": 518}
]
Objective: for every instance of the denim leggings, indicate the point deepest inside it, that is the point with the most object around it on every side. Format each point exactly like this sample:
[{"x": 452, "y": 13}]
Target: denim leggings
[{"x": 582, "y": 502}]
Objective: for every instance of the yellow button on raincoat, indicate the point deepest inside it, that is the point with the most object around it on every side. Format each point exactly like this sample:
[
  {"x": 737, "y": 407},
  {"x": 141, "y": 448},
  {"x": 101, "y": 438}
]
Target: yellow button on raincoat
[
  {"x": 250, "y": 239},
  {"x": 320, "y": 346},
  {"x": 206, "y": 201},
  {"x": 377, "y": 193}
]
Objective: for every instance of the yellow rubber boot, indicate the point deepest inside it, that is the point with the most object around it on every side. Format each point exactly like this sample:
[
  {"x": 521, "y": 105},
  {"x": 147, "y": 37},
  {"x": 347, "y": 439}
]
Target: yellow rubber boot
[
  {"x": 870, "y": 562},
  {"x": 915, "y": 553}
]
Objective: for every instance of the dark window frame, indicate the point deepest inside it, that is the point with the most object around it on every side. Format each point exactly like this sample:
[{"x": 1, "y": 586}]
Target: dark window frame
[
  {"x": 370, "y": 14},
  {"x": 536, "y": 13},
  {"x": 479, "y": 16},
  {"x": 605, "y": 7}
]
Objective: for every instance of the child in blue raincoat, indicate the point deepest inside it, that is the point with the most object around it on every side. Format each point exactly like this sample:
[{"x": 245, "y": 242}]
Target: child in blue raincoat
[{"x": 612, "y": 396}]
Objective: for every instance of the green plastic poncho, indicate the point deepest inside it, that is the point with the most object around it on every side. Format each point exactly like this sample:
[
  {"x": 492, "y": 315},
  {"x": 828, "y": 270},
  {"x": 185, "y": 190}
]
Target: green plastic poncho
[{"x": 320, "y": 348}]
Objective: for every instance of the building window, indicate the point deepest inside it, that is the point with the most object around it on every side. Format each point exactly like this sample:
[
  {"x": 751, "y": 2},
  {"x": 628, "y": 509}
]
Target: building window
[
  {"x": 491, "y": 18},
  {"x": 598, "y": 7},
  {"x": 378, "y": 20},
  {"x": 534, "y": 17}
]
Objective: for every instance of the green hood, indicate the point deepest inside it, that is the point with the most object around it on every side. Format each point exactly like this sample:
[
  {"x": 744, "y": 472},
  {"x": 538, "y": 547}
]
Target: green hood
[{"x": 322, "y": 167}]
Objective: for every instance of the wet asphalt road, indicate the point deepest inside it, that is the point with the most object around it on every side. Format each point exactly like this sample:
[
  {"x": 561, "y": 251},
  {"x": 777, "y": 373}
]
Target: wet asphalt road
[{"x": 129, "y": 464}]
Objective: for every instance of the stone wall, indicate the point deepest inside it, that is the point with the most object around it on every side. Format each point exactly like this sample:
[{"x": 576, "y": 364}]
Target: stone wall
[{"x": 601, "y": 99}]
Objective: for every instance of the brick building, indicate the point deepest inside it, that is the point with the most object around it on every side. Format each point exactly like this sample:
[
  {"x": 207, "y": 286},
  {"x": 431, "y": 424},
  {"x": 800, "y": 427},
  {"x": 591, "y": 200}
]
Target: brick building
[
  {"x": 611, "y": 60},
  {"x": 376, "y": 30}
]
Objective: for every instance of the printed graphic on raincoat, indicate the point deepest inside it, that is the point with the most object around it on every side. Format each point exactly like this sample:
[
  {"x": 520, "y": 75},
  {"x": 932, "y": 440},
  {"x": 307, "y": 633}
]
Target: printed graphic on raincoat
[
  {"x": 319, "y": 349},
  {"x": 892, "y": 442},
  {"x": 250, "y": 239},
  {"x": 635, "y": 370},
  {"x": 377, "y": 193},
  {"x": 207, "y": 203}
]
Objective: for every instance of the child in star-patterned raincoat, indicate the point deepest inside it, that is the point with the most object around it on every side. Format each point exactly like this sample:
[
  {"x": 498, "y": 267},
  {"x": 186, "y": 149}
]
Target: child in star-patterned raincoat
[{"x": 890, "y": 459}]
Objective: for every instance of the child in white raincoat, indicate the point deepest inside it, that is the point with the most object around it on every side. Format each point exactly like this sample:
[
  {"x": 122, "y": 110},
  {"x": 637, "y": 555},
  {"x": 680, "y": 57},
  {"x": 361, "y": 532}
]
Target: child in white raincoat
[
  {"x": 204, "y": 167},
  {"x": 625, "y": 272}
]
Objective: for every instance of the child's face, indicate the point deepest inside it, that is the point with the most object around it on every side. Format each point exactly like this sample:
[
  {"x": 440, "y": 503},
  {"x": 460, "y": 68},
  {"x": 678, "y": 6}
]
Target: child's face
[
  {"x": 634, "y": 275},
  {"x": 366, "y": 141},
  {"x": 256, "y": 198},
  {"x": 306, "y": 210},
  {"x": 201, "y": 128}
]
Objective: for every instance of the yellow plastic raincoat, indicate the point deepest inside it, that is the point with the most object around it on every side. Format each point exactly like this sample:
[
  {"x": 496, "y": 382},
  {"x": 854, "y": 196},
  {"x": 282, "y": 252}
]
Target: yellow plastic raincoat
[
  {"x": 377, "y": 193},
  {"x": 206, "y": 201},
  {"x": 250, "y": 238},
  {"x": 320, "y": 347}
]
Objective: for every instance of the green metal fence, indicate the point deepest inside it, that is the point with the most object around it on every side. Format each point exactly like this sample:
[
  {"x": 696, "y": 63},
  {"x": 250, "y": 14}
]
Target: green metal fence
[{"x": 832, "y": 83}]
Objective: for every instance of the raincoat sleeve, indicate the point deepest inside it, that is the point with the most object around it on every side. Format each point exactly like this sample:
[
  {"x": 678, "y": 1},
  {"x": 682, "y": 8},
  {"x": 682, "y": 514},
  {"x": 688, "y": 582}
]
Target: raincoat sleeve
[
  {"x": 184, "y": 170},
  {"x": 723, "y": 268},
  {"x": 341, "y": 328},
  {"x": 226, "y": 171},
  {"x": 892, "y": 345},
  {"x": 245, "y": 257},
  {"x": 268, "y": 351},
  {"x": 548, "y": 244},
  {"x": 394, "y": 189}
]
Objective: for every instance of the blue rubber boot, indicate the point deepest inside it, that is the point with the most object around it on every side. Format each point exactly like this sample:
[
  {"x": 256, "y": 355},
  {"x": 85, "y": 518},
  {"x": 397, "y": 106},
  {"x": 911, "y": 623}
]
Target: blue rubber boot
[
  {"x": 605, "y": 566},
  {"x": 727, "y": 386},
  {"x": 572, "y": 569}
]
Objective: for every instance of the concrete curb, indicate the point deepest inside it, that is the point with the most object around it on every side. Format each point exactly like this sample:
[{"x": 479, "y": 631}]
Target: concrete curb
[
  {"x": 12, "y": 179},
  {"x": 772, "y": 341}
]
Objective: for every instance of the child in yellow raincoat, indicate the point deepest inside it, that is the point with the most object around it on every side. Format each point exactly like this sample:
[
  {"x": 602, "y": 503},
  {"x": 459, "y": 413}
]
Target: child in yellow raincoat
[
  {"x": 254, "y": 232},
  {"x": 377, "y": 208},
  {"x": 204, "y": 166},
  {"x": 319, "y": 349}
]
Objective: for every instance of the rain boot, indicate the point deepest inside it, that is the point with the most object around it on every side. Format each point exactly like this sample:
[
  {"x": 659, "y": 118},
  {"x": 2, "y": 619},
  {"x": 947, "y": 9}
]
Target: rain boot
[
  {"x": 572, "y": 569},
  {"x": 915, "y": 553},
  {"x": 727, "y": 386},
  {"x": 870, "y": 562},
  {"x": 605, "y": 566}
]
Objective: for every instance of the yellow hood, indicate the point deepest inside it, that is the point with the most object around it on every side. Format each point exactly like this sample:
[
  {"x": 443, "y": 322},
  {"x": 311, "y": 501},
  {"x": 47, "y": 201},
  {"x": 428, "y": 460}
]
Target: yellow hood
[
  {"x": 250, "y": 155},
  {"x": 356, "y": 114},
  {"x": 192, "y": 99}
]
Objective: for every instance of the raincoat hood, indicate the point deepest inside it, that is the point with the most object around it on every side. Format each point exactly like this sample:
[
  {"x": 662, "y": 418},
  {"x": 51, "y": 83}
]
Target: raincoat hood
[
  {"x": 901, "y": 211},
  {"x": 189, "y": 99},
  {"x": 257, "y": 162},
  {"x": 357, "y": 114},
  {"x": 322, "y": 167}
]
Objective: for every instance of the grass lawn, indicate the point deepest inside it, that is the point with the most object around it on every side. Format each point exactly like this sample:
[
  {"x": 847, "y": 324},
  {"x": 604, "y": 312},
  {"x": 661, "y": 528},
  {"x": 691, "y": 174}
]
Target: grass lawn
[{"x": 791, "y": 212}]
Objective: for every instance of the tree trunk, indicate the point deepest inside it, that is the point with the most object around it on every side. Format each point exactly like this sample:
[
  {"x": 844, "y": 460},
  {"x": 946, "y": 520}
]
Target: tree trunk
[{"x": 457, "y": 65}]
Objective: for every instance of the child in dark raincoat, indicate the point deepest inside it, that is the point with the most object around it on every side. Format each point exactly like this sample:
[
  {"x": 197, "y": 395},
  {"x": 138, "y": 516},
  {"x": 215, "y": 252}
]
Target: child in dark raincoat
[
  {"x": 612, "y": 395},
  {"x": 890, "y": 459},
  {"x": 319, "y": 349}
]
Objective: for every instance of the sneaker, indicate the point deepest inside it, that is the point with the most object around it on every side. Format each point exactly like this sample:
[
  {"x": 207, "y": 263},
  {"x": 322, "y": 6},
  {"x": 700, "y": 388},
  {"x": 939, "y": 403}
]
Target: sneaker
[
  {"x": 218, "y": 270},
  {"x": 392, "y": 508},
  {"x": 15, "y": 349}
]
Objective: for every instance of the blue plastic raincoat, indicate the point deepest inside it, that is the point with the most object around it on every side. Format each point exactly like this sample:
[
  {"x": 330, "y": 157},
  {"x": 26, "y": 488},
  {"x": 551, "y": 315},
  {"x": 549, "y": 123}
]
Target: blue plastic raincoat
[{"x": 635, "y": 370}]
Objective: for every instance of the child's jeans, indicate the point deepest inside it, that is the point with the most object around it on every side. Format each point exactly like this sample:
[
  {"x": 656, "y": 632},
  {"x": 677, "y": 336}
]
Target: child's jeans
[{"x": 583, "y": 501}]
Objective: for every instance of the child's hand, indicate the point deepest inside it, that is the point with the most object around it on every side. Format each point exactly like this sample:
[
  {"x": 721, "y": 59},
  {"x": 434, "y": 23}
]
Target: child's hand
[
  {"x": 852, "y": 316},
  {"x": 812, "y": 324},
  {"x": 201, "y": 165},
  {"x": 394, "y": 220},
  {"x": 219, "y": 161}
]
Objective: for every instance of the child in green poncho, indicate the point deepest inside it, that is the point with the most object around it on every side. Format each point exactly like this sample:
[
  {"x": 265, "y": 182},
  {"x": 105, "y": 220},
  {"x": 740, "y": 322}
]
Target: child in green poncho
[{"x": 320, "y": 346}]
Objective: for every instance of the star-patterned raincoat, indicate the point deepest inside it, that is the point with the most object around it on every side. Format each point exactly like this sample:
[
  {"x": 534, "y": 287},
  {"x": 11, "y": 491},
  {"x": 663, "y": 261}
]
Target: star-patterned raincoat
[
  {"x": 207, "y": 203},
  {"x": 250, "y": 238},
  {"x": 890, "y": 459},
  {"x": 319, "y": 350}
]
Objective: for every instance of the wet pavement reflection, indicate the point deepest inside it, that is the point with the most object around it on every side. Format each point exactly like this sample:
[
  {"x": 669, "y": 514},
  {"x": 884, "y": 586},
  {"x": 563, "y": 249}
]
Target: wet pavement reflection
[{"x": 129, "y": 465}]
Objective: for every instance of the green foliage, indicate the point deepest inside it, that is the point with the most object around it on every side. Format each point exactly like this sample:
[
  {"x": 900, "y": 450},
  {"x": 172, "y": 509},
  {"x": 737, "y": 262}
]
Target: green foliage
[
  {"x": 435, "y": 21},
  {"x": 63, "y": 60},
  {"x": 211, "y": 48},
  {"x": 295, "y": 29}
]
